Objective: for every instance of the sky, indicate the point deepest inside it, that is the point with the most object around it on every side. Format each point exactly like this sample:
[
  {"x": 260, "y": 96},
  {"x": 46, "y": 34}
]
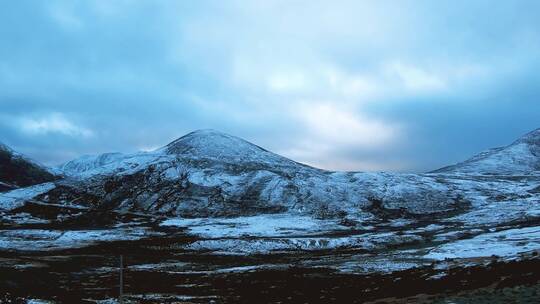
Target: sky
[{"x": 407, "y": 86}]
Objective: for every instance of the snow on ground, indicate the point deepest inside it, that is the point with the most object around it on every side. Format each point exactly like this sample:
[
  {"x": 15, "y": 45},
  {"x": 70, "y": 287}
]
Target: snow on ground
[
  {"x": 16, "y": 198},
  {"x": 42, "y": 240},
  {"x": 246, "y": 246},
  {"x": 23, "y": 218},
  {"x": 278, "y": 232},
  {"x": 38, "y": 301},
  {"x": 504, "y": 243},
  {"x": 501, "y": 212},
  {"x": 379, "y": 265},
  {"x": 266, "y": 225}
]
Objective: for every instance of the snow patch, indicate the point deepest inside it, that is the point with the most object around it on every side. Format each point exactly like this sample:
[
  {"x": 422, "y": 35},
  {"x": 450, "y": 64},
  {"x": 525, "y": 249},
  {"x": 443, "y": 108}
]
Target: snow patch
[
  {"x": 272, "y": 225},
  {"x": 16, "y": 198},
  {"x": 43, "y": 240},
  {"x": 505, "y": 243}
]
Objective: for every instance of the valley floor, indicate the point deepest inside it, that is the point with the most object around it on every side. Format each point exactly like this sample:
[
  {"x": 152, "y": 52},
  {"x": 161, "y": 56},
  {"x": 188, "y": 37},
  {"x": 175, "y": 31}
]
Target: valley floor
[{"x": 153, "y": 273}]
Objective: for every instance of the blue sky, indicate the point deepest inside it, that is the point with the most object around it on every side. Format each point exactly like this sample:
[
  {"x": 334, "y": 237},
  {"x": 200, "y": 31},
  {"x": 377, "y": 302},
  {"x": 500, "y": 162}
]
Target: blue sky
[{"x": 347, "y": 85}]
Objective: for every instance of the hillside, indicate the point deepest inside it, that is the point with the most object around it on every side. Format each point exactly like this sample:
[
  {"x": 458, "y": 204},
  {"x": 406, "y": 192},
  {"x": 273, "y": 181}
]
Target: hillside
[
  {"x": 519, "y": 158},
  {"x": 18, "y": 171}
]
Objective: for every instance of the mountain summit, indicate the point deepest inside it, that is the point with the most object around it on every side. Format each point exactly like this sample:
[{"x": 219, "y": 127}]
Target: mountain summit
[
  {"x": 208, "y": 143},
  {"x": 212, "y": 143}
]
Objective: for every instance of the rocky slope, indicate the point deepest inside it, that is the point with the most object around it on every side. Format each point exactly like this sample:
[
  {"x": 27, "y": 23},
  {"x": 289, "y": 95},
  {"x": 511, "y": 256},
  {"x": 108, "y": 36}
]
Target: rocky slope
[
  {"x": 18, "y": 171},
  {"x": 519, "y": 158}
]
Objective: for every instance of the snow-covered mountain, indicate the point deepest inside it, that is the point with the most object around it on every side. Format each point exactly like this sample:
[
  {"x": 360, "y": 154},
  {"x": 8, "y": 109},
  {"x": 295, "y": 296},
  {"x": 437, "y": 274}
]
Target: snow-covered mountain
[
  {"x": 17, "y": 170},
  {"x": 209, "y": 173},
  {"x": 519, "y": 158},
  {"x": 208, "y": 146},
  {"x": 212, "y": 144}
]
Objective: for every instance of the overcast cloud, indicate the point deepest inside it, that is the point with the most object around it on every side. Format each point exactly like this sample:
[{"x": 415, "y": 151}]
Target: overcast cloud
[{"x": 352, "y": 85}]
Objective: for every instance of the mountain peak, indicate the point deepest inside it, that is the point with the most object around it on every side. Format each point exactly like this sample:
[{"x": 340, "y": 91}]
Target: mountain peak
[
  {"x": 207, "y": 132},
  {"x": 215, "y": 144}
]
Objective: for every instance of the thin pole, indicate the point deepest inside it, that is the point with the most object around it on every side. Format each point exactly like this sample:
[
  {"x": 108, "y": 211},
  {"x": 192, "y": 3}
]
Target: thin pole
[{"x": 121, "y": 292}]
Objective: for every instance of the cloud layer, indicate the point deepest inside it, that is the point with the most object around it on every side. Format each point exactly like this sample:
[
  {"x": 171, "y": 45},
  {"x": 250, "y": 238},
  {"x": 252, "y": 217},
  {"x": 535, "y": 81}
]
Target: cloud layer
[{"x": 352, "y": 85}]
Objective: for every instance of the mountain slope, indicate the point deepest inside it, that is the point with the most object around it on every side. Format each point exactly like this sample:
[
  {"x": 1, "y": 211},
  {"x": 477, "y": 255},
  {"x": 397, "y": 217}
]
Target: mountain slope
[
  {"x": 520, "y": 157},
  {"x": 209, "y": 173},
  {"x": 18, "y": 171},
  {"x": 88, "y": 163}
]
